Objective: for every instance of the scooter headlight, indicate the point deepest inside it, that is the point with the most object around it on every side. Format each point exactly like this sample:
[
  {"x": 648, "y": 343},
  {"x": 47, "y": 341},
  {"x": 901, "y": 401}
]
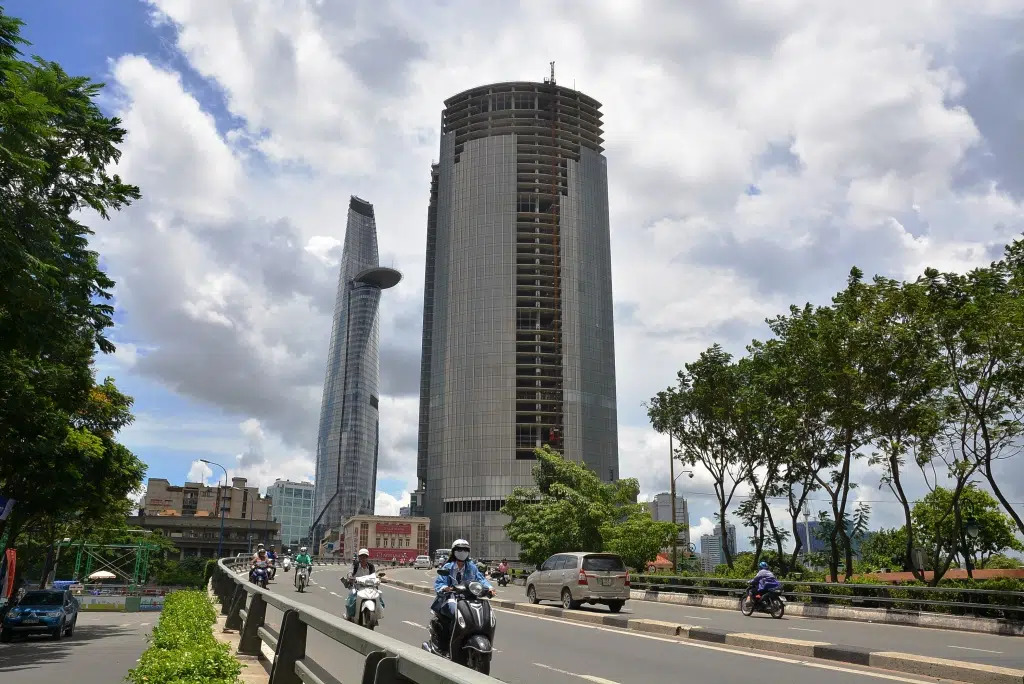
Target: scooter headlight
[{"x": 476, "y": 589}]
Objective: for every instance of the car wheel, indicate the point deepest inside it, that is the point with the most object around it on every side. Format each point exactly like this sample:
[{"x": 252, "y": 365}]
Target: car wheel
[
  {"x": 567, "y": 602},
  {"x": 531, "y": 594},
  {"x": 71, "y": 627},
  {"x": 615, "y": 606},
  {"x": 56, "y": 636}
]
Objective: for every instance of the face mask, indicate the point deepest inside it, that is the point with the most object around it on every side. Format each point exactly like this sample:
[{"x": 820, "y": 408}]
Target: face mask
[{"x": 461, "y": 555}]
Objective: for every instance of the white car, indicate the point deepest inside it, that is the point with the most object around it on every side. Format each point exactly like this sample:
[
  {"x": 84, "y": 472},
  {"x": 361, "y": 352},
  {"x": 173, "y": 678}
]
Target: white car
[{"x": 422, "y": 562}]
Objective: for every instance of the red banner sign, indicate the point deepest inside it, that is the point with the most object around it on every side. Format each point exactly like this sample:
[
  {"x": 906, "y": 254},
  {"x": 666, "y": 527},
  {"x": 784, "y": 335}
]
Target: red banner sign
[
  {"x": 400, "y": 555},
  {"x": 11, "y": 566},
  {"x": 394, "y": 528}
]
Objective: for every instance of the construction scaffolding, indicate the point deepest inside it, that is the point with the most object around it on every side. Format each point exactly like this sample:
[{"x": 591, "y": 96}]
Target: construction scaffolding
[{"x": 130, "y": 562}]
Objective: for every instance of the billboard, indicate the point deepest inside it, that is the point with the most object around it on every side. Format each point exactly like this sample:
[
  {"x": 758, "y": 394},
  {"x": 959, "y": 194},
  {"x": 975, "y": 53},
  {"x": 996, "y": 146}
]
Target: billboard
[
  {"x": 393, "y": 528},
  {"x": 396, "y": 555}
]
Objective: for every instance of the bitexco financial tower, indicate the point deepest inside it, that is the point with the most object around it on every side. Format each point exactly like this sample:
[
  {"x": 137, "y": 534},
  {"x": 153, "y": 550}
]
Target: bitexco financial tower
[{"x": 518, "y": 339}]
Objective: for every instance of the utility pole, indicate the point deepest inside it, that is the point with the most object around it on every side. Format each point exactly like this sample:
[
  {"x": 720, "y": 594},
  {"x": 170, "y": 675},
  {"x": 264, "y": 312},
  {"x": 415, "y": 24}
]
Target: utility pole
[{"x": 672, "y": 493}]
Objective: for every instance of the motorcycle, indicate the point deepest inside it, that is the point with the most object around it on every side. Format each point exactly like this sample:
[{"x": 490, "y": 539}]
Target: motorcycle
[
  {"x": 273, "y": 568},
  {"x": 369, "y": 608},
  {"x": 301, "y": 577},
  {"x": 259, "y": 575},
  {"x": 470, "y": 642},
  {"x": 769, "y": 601},
  {"x": 502, "y": 578},
  {"x": 286, "y": 563}
]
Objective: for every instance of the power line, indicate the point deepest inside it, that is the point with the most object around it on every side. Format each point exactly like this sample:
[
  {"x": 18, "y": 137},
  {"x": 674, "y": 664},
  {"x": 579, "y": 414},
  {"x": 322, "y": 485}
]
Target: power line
[{"x": 786, "y": 499}]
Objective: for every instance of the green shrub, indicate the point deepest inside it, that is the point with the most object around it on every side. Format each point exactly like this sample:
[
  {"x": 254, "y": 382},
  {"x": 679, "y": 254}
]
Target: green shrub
[
  {"x": 211, "y": 567},
  {"x": 183, "y": 649}
]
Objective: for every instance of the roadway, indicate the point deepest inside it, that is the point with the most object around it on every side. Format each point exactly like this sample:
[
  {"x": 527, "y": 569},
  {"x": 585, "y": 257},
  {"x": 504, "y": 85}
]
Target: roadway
[
  {"x": 1004, "y": 651},
  {"x": 533, "y": 648},
  {"x": 104, "y": 647}
]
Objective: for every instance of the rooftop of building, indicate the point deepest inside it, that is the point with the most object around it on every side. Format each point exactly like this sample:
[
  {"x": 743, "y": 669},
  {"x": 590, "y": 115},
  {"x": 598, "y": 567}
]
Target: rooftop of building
[
  {"x": 292, "y": 483},
  {"x": 519, "y": 85}
]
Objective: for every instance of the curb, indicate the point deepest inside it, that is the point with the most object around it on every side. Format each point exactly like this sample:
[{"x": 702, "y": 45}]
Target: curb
[{"x": 975, "y": 673}]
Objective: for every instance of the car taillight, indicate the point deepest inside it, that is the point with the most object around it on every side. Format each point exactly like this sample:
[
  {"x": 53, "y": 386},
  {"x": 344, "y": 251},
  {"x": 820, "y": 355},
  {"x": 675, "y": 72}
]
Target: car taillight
[
  {"x": 627, "y": 578},
  {"x": 583, "y": 578}
]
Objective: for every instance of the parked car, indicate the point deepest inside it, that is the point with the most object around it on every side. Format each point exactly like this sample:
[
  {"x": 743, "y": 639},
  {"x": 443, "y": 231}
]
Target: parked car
[
  {"x": 422, "y": 562},
  {"x": 44, "y": 611},
  {"x": 578, "y": 578}
]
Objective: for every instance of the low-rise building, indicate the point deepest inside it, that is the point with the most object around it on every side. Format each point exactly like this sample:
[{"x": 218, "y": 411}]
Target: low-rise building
[
  {"x": 386, "y": 537},
  {"x": 189, "y": 516},
  {"x": 293, "y": 508}
]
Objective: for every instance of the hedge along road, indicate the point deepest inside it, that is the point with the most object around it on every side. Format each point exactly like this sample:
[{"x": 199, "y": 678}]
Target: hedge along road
[
  {"x": 1004, "y": 651},
  {"x": 534, "y": 649}
]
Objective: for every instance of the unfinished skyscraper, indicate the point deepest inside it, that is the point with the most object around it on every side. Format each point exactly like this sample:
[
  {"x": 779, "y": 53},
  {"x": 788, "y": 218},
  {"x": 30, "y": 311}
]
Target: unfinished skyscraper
[{"x": 518, "y": 340}]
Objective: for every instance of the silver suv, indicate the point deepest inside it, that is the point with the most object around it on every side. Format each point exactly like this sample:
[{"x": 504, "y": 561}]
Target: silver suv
[{"x": 580, "y": 577}]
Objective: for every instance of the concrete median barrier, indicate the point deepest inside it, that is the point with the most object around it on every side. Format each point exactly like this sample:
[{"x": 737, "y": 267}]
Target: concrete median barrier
[{"x": 907, "y": 663}]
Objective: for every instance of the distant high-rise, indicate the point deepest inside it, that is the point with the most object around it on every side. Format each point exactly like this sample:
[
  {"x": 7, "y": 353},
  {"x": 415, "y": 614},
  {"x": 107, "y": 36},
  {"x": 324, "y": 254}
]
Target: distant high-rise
[
  {"x": 661, "y": 510},
  {"x": 711, "y": 545},
  {"x": 293, "y": 508},
  {"x": 348, "y": 439},
  {"x": 518, "y": 339}
]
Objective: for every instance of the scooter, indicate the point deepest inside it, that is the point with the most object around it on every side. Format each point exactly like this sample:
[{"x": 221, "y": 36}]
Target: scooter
[
  {"x": 260, "y": 576},
  {"x": 273, "y": 569},
  {"x": 502, "y": 578},
  {"x": 369, "y": 608},
  {"x": 769, "y": 601},
  {"x": 286, "y": 563},
  {"x": 301, "y": 578},
  {"x": 470, "y": 642}
]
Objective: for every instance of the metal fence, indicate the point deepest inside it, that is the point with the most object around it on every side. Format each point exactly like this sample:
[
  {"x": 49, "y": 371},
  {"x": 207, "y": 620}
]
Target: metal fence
[
  {"x": 978, "y": 602},
  {"x": 386, "y": 660}
]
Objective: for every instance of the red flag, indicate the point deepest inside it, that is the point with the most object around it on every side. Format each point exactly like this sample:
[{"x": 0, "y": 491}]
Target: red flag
[{"x": 12, "y": 556}]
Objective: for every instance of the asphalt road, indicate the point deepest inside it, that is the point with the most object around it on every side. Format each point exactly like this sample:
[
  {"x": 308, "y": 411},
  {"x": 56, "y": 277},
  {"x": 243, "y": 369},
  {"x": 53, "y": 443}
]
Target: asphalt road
[
  {"x": 1004, "y": 651},
  {"x": 104, "y": 647},
  {"x": 534, "y": 649}
]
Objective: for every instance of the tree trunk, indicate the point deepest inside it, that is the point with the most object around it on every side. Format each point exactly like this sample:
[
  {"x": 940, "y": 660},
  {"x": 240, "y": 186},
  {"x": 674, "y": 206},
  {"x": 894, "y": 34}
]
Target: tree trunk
[
  {"x": 778, "y": 541},
  {"x": 962, "y": 540},
  {"x": 725, "y": 538},
  {"x": 908, "y": 559},
  {"x": 1007, "y": 506},
  {"x": 47, "y": 565}
]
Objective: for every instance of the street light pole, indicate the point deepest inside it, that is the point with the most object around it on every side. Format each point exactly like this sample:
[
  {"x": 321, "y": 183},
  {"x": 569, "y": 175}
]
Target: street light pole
[
  {"x": 220, "y": 500},
  {"x": 672, "y": 493}
]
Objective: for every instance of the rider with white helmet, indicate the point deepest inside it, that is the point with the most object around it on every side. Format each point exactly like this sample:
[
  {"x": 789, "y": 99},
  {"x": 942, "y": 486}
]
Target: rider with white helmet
[
  {"x": 362, "y": 567},
  {"x": 461, "y": 570}
]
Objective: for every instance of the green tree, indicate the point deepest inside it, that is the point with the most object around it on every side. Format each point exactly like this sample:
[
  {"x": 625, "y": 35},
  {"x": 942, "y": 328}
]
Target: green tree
[
  {"x": 1000, "y": 561},
  {"x": 567, "y": 509},
  {"x": 55, "y": 149},
  {"x": 942, "y": 534},
  {"x": 638, "y": 540},
  {"x": 885, "y": 549},
  {"x": 700, "y": 413}
]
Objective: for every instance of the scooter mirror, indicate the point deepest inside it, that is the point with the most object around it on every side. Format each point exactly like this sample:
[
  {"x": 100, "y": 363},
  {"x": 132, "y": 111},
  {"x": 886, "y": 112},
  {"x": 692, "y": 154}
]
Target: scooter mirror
[
  {"x": 443, "y": 572},
  {"x": 381, "y": 574}
]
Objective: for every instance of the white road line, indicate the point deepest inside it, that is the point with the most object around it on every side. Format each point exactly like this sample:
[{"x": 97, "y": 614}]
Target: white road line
[
  {"x": 334, "y": 593},
  {"x": 589, "y": 678},
  {"x": 143, "y": 624},
  {"x": 693, "y": 617},
  {"x": 801, "y": 629},
  {"x": 761, "y": 655},
  {"x": 414, "y": 624},
  {"x": 981, "y": 650}
]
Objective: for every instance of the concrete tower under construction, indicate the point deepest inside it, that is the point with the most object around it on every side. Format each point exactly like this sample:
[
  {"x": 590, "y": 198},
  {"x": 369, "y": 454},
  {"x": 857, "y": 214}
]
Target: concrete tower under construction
[{"x": 518, "y": 339}]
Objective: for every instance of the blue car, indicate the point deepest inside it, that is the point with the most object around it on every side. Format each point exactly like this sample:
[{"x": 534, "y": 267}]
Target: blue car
[{"x": 45, "y": 611}]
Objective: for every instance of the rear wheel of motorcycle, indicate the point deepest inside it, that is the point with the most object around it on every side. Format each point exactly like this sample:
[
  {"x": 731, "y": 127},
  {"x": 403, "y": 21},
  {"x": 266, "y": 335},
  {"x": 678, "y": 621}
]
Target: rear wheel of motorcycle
[
  {"x": 747, "y": 606},
  {"x": 369, "y": 620},
  {"x": 475, "y": 660},
  {"x": 778, "y": 608}
]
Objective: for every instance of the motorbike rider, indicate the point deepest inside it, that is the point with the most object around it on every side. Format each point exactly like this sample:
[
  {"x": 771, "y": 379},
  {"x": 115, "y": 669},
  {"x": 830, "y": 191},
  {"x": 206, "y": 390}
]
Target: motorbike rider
[
  {"x": 361, "y": 567},
  {"x": 256, "y": 553},
  {"x": 764, "y": 580},
  {"x": 260, "y": 556},
  {"x": 461, "y": 570},
  {"x": 302, "y": 560}
]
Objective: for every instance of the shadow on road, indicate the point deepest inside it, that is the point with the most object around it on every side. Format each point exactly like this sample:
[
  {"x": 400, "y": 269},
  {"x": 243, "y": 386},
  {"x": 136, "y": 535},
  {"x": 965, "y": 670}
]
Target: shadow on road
[{"x": 36, "y": 651}]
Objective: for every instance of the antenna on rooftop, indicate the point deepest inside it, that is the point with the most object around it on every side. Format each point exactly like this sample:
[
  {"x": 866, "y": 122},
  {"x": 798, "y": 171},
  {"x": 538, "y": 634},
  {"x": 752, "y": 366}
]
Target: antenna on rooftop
[{"x": 551, "y": 80}]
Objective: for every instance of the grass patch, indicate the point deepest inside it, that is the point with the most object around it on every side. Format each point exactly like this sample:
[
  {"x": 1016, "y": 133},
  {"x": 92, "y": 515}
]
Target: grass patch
[{"x": 182, "y": 649}]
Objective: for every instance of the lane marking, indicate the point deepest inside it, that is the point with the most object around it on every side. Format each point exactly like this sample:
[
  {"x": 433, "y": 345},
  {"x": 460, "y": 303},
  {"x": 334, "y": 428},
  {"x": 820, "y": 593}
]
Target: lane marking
[
  {"x": 333, "y": 593},
  {"x": 761, "y": 655},
  {"x": 414, "y": 624},
  {"x": 589, "y": 678},
  {"x": 688, "y": 617},
  {"x": 143, "y": 624},
  {"x": 981, "y": 650},
  {"x": 801, "y": 629}
]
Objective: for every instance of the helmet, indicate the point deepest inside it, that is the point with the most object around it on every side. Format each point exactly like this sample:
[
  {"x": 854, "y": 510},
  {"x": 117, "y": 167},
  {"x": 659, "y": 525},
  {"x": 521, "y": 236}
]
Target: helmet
[
  {"x": 302, "y": 550},
  {"x": 762, "y": 565},
  {"x": 259, "y": 546},
  {"x": 460, "y": 544},
  {"x": 363, "y": 552}
]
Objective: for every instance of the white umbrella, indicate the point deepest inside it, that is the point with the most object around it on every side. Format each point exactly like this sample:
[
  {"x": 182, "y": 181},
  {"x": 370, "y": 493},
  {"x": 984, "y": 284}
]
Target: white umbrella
[{"x": 102, "y": 575}]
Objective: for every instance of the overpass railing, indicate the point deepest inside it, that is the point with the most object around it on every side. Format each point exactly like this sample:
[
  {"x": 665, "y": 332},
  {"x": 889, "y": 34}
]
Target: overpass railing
[
  {"x": 955, "y": 600},
  {"x": 385, "y": 660}
]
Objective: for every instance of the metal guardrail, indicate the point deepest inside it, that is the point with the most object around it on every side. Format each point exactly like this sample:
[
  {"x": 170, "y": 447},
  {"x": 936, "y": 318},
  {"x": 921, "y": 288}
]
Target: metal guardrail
[
  {"x": 873, "y": 595},
  {"x": 387, "y": 660}
]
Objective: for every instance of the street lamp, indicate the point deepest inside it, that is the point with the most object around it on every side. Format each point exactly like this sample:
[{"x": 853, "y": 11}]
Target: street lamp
[
  {"x": 672, "y": 493},
  {"x": 220, "y": 540},
  {"x": 973, "y": 530},
  {"x": 381, "y": 278}
]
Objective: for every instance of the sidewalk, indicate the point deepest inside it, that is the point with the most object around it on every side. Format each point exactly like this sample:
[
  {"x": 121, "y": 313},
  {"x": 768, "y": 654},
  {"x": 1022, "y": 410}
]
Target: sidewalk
[{"x": 104, "y": 647}]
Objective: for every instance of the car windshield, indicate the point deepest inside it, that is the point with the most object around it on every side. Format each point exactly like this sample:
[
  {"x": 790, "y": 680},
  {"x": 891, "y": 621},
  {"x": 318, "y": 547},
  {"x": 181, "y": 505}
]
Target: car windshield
[
  {"x": 603, "y": 564},
  {"x": 42, "y": 598}
]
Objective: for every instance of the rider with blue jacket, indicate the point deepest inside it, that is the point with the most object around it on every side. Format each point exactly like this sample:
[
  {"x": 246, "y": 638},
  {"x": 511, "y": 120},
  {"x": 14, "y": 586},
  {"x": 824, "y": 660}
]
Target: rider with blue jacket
[
  {"x": 461, "y": 570},
  {"x": 764, "y": 580}
]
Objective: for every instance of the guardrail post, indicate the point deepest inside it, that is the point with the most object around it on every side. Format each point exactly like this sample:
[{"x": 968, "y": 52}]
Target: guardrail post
[
  {"x": 250, "y": 642},
  {"x": 291, "y": 646},
  {"x": 224, "y": 593},
  {"x": 234, "y": 620},
  {"x": 387, "y": 672}
]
